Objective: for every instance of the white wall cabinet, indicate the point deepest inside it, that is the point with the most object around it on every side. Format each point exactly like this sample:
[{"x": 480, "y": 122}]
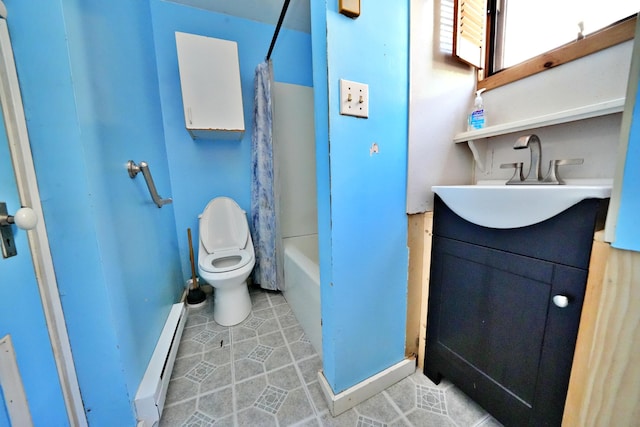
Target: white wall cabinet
[{"x": 210, "y": 83}]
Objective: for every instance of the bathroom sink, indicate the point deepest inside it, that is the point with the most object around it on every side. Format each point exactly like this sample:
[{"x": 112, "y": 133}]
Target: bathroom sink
[{"x": 495, "y": 205}]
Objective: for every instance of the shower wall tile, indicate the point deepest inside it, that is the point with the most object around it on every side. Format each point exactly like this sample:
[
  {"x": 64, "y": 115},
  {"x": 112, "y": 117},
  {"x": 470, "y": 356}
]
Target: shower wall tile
[{"x": 294, "y": 141}]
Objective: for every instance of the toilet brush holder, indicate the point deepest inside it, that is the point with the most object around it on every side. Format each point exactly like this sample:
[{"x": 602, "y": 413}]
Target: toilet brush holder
[{"x": 196, "y": 297}]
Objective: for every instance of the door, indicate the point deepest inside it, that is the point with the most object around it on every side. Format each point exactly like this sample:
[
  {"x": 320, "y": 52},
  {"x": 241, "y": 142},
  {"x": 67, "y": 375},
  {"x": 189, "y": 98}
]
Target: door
[{"x": 22, "y": 317}]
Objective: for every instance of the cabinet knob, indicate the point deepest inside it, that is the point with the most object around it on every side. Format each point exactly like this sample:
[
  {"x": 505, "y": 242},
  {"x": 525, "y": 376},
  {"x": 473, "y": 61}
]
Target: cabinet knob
[{"x": 561, "y": 301}]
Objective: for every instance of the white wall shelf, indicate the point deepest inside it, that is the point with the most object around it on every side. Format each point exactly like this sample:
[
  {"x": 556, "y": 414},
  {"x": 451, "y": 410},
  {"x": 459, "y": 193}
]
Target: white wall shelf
[{"x": 566, "y": 116}]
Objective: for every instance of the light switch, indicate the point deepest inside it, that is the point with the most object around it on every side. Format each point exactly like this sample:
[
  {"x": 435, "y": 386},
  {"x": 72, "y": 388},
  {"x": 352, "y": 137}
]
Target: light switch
[
  {"x": 354, "y": 99},
  {"x": 350, "y": 8}
]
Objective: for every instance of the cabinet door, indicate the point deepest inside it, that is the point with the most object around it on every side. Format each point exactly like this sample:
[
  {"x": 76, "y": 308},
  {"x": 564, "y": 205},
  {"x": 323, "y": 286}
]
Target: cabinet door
[
  {"x": 210, "y": 83},
  {"x": 494, "y": 331}
]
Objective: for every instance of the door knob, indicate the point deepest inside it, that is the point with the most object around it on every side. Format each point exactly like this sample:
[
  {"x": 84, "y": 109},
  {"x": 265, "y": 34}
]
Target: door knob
[
  {"x": 561, "y": 301},
  {"x": 25, "y": 218}
]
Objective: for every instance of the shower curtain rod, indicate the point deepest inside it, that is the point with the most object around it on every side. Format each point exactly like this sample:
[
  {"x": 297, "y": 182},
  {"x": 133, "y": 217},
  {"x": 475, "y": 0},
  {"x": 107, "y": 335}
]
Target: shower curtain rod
[{"x": 285, "y": 6}]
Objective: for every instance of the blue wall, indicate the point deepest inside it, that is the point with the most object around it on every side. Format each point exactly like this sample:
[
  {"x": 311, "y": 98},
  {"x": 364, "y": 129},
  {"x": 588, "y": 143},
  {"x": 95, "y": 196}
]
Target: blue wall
[
  {"x": 627, "y": 229},
  {"x": 203, "y": 169},
  {"x": 323, "y": 181},
  {"x": 361, "y": 197},
  {"x": 4, "y": 416},
  {"x": 120, "y": 261},
  {"x": 88, "y": 80}
]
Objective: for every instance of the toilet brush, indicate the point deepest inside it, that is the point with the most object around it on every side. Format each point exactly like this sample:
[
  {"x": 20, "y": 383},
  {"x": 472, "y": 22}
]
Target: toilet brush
[{"x": 196, "y": 296}]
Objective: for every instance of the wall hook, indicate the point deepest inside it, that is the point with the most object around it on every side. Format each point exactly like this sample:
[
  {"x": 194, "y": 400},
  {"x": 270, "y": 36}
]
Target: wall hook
[{"x": 144, "y": 168}]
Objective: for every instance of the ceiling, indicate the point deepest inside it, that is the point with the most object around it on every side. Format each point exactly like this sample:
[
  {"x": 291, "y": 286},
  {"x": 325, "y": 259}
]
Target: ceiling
[{"x": 266, "y": 11}]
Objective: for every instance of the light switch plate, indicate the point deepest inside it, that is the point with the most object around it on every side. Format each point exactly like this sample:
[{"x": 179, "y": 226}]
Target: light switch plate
[
  {"x": 350, "y": 8},
  {"x": 354, "y": 99}
]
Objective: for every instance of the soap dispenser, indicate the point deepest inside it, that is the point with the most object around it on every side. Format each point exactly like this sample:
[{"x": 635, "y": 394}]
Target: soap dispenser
[{"x": 477, "y": 118}]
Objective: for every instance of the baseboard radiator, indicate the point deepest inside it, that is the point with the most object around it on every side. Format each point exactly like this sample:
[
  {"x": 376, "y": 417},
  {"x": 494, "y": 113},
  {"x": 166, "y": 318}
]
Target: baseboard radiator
[{"x": 152, "y": 391}]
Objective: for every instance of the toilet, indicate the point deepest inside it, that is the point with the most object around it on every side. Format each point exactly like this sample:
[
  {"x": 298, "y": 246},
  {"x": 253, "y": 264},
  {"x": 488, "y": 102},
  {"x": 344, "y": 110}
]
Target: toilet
[{"x": 226, "y": 258}]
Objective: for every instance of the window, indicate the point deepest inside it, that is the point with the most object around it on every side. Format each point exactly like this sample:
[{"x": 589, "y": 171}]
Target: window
[{"x": 523, "y": 38}]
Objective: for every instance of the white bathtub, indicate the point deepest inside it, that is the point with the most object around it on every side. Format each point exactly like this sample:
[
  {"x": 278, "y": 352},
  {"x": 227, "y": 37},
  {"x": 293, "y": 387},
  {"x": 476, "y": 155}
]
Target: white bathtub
[{"x": 302, "y": 284}]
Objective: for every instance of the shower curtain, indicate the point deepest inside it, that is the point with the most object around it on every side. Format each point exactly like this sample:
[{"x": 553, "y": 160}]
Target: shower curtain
[{"x": 267, "y": 242}]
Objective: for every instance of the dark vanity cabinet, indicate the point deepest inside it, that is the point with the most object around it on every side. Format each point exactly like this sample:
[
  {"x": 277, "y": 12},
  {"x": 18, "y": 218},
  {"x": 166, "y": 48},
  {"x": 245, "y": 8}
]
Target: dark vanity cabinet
[{"x": 494, "y": 328}]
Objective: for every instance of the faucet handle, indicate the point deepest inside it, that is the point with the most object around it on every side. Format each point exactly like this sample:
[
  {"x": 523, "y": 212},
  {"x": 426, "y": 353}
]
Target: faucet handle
[
  {"x": 552, "y": 175},
  {"x": 517, "y": 173}
]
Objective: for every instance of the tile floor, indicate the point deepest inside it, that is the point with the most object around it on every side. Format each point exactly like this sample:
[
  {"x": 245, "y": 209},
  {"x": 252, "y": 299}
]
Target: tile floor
[{"x": 263, "y": 372}]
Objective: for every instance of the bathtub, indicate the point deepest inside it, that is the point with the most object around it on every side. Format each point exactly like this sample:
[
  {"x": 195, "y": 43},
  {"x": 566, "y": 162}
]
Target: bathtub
[{"x": 302, "y": 284}]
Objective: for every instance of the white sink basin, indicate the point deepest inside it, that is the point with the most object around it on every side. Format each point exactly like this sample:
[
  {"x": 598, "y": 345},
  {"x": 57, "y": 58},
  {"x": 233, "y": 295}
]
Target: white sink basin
[{"x": 512, "y": 206}]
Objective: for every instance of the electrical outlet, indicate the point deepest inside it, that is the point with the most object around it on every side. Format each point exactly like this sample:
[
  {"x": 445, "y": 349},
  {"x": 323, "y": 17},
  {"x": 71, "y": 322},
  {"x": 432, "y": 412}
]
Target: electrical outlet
[{"x": 354, "y": 99}]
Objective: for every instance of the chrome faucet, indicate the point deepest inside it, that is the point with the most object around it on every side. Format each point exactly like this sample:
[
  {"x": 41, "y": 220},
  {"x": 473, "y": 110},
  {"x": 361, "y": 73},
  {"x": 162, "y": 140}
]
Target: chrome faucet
[
  {"x": 532, "y": 142},
  {"x": 534, "y": 175}
]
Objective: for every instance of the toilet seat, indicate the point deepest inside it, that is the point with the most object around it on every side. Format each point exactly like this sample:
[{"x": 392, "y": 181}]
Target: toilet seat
[
  {"x": 223, "y": 226},
  {"x": 225, "y": 260}
]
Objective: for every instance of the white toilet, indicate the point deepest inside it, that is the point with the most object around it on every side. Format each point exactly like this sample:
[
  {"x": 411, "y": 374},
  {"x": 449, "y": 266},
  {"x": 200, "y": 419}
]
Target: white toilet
[{"x": 226, "y": 258}]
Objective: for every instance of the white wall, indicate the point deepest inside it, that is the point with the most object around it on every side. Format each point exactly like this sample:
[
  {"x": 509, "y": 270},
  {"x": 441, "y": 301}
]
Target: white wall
[
  {"x": 593, "y": 140},
  {"x": 596, "y": 78},
  {"x": 440, "y": 96}
]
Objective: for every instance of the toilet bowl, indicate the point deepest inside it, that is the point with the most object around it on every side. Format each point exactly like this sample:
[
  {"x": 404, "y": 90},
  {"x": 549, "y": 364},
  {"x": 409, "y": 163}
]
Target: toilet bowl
[{"x": 226, "y": 258}]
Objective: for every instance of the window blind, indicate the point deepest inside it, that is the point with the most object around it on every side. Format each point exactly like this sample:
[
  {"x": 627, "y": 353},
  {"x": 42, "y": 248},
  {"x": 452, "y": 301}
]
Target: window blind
[{"x": 470, "y": 34}]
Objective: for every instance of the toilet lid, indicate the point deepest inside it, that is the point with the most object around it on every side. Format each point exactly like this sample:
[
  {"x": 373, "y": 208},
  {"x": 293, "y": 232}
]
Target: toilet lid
[
  {"x": 223, "y": 226},
  {"x": 224, "y": 261}
]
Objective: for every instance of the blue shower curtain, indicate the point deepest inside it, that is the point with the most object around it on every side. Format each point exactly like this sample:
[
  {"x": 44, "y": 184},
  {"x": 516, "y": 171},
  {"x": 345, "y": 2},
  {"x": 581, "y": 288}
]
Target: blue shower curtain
[{"x": 268, "y": 271}]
